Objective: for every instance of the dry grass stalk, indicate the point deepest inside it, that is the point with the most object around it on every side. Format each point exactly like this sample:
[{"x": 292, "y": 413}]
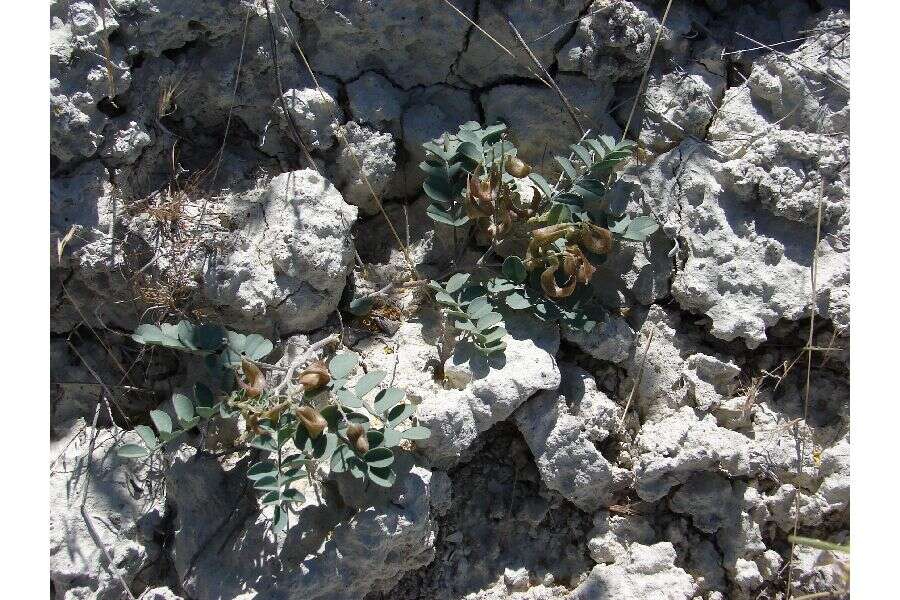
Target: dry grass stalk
[
  {"x": 339, "y": 131},
  {"x": 640, "y": 89}
]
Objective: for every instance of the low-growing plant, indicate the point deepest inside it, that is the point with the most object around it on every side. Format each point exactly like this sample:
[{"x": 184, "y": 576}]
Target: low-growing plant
[
  {"x": 315, "y": 427},
  {"x": 553, "y": 236}
]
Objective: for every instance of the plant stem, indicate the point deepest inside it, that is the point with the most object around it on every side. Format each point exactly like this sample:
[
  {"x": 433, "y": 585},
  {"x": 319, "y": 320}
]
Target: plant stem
[{"x": 818, "y": 544}]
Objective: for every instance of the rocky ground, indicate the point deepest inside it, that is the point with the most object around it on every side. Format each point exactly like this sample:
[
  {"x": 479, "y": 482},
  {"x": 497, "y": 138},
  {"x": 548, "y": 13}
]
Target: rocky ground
[{"x": 178, "y": 191}]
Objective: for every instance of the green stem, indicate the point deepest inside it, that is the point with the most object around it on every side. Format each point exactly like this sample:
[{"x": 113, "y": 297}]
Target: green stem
[{"x": 819, "y": 544}]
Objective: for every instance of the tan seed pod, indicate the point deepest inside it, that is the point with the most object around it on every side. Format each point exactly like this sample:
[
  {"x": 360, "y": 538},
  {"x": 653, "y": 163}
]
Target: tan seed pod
[
  {"x": 585, "y": 271},
  {"x": 596, "y": 239},
  {"x": 314, "y": 376},
  {"x": 251, "y": 422},
  {"x": 569, "y": 265},
  {"x": 485, "y": 206},
  {"x": 256, "y": 381},
  {"x": 548, "y": 283},
  {"x": 274, "y": 413},
  {"x": 547, "y": 235},
  {"x": 517, "y": 167},
  {"x": 357, "y": 436},
  {"x": 312, "y": 420},
  {"x": 480, "y": 189}
]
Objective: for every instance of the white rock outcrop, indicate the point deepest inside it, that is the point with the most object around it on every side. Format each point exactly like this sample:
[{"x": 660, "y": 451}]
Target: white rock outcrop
[
  {"x": 175, "y": 168},
  {"x": 677, "y": 446},
  {"x": 314, "y": 114},
  {"x": 367, "y": 160},
  {"x": 644, "y": 572},
  {"x": 369, "y": 546},
  {"x": 478, "y": 392},
  {"x": 564, "y": 429},
  {"x": 121, "y": 506},
  {"x": 289, "y": 262}
]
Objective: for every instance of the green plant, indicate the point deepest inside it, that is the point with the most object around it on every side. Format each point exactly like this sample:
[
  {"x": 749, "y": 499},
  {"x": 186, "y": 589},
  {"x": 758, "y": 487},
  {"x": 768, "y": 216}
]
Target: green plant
[
  {"x": 471, "y": 313},
  {"x": 319, "y": 427},
  {"x": 188, "y": 414},
  {"x": 553, "y": 236},
  {"x": 223, "y": 348}
]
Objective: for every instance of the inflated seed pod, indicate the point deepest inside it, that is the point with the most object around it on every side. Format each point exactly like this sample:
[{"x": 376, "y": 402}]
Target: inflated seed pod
[
  {"x": 504, "y": 224},
  {"x": 357, "y": 436},
  {"x": 274, "y": 413},
  {"x": 314, "y": 376},
  {"x": 569, "y": 265},
  {"x": 517, "y": 167},
  {"x": 251, "y": 423},
  {"x": 549, "y": 234},
  {"x": 256, "y": 381},
  {"x": 596, "y": 239},
  {"x": 312, "y": 420},
  {"x": 585, "y": 271},
  {"x": 548, "y": 283},
  {"x": 480, "y": 189}
]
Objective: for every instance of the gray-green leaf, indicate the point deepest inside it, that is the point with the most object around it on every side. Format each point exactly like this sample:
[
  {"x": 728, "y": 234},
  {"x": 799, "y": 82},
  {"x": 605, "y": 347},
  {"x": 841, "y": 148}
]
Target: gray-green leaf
[
  {"x": 388, "y": 398},
  {"x": 368, "y": 382},
  {"x": 488, "y": 321},
  {"x": 147, "y": 435},
  {"x": 514, "y": 269},
  {"x": 343, "y": 364},
  {"x": 162, "y": 421},
  {"x": 416, "y": 433},
  {"x": 379, "y": 457},
  {"x": 132, "y": 451},
  {"x": 456, "y": 282},
  {"x": 184, "y": 408}
]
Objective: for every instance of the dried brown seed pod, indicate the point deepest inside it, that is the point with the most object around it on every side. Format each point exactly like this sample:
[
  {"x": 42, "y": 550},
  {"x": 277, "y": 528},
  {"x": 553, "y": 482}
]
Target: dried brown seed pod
[
  {"x": 274, "y": 413},
  {"x": 547, "y": 235},
  {"x": 548, "y": 283},
  {"x": 596, "y": 239},
  {"x": 314, "y": 376},
  {"x": 541, "y": 237},
  {"x": 517, "y": 167},
  {"x": 256, "y": 381},
  {"x": 569, "y": 265},
  {"x": 583, "y": 269},
  {"x": 251, "y": 423},
  {"x": 480, "y": 189},
  {"x": 502, "y": 226},
  {"x": 357, "y": 436},
  {"x": 486, "y": 207},
  {"x": 312, "y": 420}
]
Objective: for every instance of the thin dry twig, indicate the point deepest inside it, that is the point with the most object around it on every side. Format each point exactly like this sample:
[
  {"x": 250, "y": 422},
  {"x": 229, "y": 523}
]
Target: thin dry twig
[
  {"x": 343, "y": 139},
  {"x": 796, "y": 62},
  {"x": 640, "y": 89},
  {"x": 550, "y": 84},
  {"x": 765, "y": 47},
  {"x": 87, "y": 518},
  {"x": 298, "y": 139},
  {"x": 809, "y": 353},
  {"x": 96, "y": 335},
  {"x": 102, "y": 385},
  {"x": 546, "y": 73},
  {"x": 107, "y": 54},
  {"x": 637, "y": 381},
  {"x": 234, "y": 91}
]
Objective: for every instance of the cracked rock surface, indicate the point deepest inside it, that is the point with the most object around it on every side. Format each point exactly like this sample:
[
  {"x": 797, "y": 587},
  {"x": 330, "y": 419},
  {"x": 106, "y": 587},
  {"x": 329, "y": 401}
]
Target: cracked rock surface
[{"x": 666, "y": 455}]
